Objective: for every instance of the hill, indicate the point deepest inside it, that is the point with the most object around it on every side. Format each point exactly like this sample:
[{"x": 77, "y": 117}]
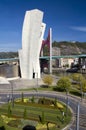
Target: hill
[
  {"x": 66, "y": 48},
  {"x": 70, "y": 48},
  {"x": 8, "y": 55}
]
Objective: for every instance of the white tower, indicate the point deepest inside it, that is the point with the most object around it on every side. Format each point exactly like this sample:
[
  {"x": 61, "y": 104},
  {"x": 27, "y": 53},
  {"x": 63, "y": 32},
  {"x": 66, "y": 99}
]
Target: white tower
[{"x": 32, "y": 36}]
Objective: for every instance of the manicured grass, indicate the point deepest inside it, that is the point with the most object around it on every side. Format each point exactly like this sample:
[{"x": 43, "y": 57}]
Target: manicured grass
[
  {"x": 73, "y": 91},
  {"x": 6, "y": 126},
  {"x": 33, "y": 111},
  {"x": 36, "y": 89}
]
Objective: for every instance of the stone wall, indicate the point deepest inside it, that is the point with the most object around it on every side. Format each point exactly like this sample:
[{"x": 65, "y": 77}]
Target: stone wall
[{"x": 9, "y": 71}]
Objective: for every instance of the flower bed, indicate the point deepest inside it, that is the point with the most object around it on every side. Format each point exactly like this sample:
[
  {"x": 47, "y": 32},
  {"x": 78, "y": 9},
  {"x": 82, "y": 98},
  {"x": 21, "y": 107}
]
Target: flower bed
[
  {"x": 20, "y": 123},
  {"x": 41, "y": 113}
]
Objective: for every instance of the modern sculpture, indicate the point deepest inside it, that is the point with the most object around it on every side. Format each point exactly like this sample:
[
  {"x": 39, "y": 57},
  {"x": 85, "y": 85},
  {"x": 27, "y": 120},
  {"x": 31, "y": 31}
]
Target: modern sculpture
[{"x": 32, "y": 36}]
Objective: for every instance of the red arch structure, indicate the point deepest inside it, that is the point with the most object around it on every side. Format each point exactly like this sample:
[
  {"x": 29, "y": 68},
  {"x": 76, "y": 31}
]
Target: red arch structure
[{"x": 46, "y": 43}]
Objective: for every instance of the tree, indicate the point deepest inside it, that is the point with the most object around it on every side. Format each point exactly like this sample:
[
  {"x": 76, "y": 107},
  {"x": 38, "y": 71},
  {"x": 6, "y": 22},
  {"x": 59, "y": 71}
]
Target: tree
[
  {"x": 43, "y": 117},
  {"x": 64, "y": 83},
  {"x": 46, "y": 50},
  {"x": 25, "y": 113},
  {"x": 83, "y": 85},
  {"x": 77, "y": 77},
  {"x": 9, "y": 111},
  {"x": 55, "y": 102},
  {"x": 32, "y": 99},
  {"x": 22, "y": 97},
  {"x": 81, "y": 81},
  {"x": 48, "y": 80}
]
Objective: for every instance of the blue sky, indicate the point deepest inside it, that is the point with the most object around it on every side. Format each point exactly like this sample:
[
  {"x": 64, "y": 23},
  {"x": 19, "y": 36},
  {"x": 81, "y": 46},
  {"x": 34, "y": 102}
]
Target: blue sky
[{"x": 67, "y": 18}]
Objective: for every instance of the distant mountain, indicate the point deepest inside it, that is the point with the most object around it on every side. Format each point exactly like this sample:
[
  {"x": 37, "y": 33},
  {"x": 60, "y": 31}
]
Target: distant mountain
[
  {"x": 66, "y": 48},
  {"x": 70, "y": 48},
  {"x": 8, "y": 55}
]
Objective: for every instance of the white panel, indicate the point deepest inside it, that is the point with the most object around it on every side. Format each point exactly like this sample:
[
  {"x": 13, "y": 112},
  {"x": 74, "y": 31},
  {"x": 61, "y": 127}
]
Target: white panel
[{"x": 37, "y": 69}]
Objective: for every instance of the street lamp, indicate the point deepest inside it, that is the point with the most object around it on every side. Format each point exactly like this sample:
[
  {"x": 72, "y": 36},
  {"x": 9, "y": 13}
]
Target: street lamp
[
  {"x": 63, "y": 117},
  {"x": 81, "y": 92},
  {"x": 77, "y": 118},
  {"x": 67, "y": 102},
  {"x": 8, "y": 97},
  {"x": 12, "y": 99}
]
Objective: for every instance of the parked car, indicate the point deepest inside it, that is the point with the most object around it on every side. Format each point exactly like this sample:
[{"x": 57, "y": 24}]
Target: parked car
[{"x": 72, "y": 70}]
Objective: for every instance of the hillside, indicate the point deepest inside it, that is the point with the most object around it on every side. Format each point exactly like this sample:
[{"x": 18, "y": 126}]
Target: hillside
[
  {"x": 66, "y": 48},
  {"x": 70, "y": 48},
  {"x": 8, "y": 55}
]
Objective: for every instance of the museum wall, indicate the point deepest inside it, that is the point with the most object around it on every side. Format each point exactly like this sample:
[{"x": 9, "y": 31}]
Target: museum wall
[{"x": 9, "y": 71}]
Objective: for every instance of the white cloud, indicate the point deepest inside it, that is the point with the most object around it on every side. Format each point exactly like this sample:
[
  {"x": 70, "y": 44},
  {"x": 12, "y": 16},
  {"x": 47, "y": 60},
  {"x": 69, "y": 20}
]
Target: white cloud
[{"x": 79, "y": 28}]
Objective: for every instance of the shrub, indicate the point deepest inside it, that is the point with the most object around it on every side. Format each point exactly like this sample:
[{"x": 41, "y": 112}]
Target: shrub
[
  {"x": 48, "y": 80},
  {"x": 64, "y": 83},
  {"x": 6, "y": 119},
  {"x": 25, "y": 113},
  {"x": 32, "y": 99},
  {"x": 9, "y": 111},
  {"x": 45, "y": 101},
  {"x": 22, "y": 97},
  {"x": 43, "y": 117},
  {"x": 77, "y": 77},
  {"x": 55, "y": 102},
  {"x": 59, "y": 105},
  {"x": 25, "y": 100},
  {"x": 14, "y": 123}
]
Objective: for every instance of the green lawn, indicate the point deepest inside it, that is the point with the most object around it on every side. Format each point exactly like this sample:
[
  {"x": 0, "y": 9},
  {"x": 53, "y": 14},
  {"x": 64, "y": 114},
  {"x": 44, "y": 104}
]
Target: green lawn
[
  {"x": 51, "y": 114},
  {"x": 73, "y": 91},
  {"x": 36, "y": 89}
]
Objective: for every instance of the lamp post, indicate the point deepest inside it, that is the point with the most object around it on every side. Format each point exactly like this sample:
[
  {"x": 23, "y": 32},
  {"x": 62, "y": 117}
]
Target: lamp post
[
  {"x": 63, "y": 117},
  {"x": 81, "y": 92},
  {"x": 12, "y": 100},
  {"x": 77, "y": 118},
  {"x": 8, "y": 97},
  {"x": 50, "y": 51},
  {"x": 67, "y": 102}
]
